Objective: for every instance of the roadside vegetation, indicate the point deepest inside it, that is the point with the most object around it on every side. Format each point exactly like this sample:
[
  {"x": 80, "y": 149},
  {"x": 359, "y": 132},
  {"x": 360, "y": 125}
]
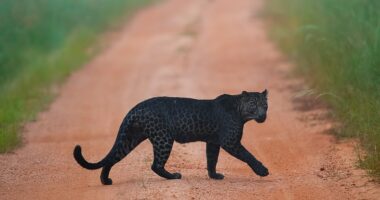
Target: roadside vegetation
[
  {"x": 336, "y": 45},
  {"x": 41, "y": 43}
]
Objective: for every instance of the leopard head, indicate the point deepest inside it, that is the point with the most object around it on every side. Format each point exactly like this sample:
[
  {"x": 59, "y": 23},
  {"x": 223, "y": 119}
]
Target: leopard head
[{"x": 254, "y": 106}]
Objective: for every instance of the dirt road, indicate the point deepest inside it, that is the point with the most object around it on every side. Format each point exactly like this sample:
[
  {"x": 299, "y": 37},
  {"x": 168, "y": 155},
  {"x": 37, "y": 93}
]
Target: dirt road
[{"x": 200, "y": 49}]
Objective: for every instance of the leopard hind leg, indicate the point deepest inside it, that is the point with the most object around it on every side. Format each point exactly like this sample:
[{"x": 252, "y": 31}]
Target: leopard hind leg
[
  {"x": 124, "y": 144},
  {"x": 162, "y": 146}
]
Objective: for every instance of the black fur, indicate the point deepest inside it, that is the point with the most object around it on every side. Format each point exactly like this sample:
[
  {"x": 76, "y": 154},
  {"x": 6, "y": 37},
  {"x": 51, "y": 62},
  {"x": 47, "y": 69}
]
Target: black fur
[{"x": 163, "y": 120}]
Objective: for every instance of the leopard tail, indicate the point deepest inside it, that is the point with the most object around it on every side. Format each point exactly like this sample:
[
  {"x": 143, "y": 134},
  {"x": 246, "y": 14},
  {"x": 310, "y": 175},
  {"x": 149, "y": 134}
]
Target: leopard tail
[
  {"x": 82, "y": 162},
  {"x": 123, "y": 145}
]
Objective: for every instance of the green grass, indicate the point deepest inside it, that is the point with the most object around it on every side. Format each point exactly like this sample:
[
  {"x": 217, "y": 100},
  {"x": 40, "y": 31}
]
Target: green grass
[
  {"x": 41, "y": 43},
  {"x": 336, "y": 45}
]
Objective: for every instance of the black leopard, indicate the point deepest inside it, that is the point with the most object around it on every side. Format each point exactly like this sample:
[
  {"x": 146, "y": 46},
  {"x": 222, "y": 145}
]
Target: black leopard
[{"x": 218, "y": 122}]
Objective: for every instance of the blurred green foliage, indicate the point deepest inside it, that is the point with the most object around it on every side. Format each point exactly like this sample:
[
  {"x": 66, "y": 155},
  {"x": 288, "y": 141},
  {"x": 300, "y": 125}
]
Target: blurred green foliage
[
  {"x": 41, "y": 43},
  {"x": 336, "y": 44}
]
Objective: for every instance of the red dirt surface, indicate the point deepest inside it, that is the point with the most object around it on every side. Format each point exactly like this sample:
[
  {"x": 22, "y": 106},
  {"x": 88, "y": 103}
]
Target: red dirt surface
[{"x": 199, "y": 49}]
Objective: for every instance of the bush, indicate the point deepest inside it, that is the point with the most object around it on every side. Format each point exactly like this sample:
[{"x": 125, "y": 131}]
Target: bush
[
  {"x": 336, "y": 44},
  {"x": 41, "y": 43}
]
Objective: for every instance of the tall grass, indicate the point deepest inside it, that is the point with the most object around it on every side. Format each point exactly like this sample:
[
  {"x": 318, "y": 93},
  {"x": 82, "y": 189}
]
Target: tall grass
[
  {"x": 41, "y": 43},
  {"x": 336, "y": 44}
]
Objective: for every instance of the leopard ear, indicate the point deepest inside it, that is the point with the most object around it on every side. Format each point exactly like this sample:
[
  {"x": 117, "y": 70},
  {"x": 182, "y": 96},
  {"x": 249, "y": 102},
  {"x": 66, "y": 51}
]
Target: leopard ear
[
  {"x": 265, "y": 93},
  {"x": 244, "y": 93}
]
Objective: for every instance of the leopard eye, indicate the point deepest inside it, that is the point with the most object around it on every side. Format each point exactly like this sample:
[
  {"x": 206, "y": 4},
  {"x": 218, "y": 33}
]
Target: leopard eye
[{"x": 265, "y": 106}]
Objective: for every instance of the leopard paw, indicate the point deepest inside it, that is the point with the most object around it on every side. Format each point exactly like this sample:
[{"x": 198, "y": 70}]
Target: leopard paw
[
  {"x": 177, "y": 176},
  {"x": 261, "y": 170},
  {"x": 216, "y": 176},
  {"x": 106, "y": 181}
]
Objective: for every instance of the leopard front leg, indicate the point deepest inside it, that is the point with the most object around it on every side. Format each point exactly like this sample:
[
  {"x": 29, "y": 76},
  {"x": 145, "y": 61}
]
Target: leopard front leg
[
  {"x": 212, "y": 153},
  {"x": 239, "y": 152},
  {"x": 162, "y": 147}
]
